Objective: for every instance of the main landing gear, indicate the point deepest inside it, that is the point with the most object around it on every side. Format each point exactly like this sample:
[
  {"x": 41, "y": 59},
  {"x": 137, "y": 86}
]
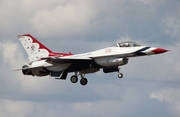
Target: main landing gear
[
  {"x": 74, "y": 79},
  {"x": 84, "y": 81}
]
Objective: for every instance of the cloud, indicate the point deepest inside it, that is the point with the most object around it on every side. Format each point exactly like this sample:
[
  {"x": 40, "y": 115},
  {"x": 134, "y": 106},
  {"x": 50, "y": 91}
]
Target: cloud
[
  {"x": 169, "y": 96},
  {"x": 9, "y": 108},
  {"x": 85, "y": 20},
  {"x": 172, "y": 26},
  {"x": 16, "y": 16},
  {"x": 73, "y": 18},
  {"x": 8, "y": 50},
  {"x": 153, "y": 3}
]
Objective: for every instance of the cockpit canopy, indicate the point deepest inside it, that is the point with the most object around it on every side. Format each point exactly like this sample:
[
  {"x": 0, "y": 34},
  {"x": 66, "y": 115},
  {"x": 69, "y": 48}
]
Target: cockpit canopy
[{"x": 126, "y": 44}]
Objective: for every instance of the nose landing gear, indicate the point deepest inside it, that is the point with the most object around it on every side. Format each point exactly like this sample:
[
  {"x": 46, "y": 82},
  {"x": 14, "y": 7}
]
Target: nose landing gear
[{"x": 120, "y": 75}]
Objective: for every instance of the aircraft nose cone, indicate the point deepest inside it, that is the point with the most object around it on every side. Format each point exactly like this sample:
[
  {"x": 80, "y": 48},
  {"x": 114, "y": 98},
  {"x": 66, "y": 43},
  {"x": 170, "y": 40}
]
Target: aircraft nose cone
[{"x": 159, "y": 50}]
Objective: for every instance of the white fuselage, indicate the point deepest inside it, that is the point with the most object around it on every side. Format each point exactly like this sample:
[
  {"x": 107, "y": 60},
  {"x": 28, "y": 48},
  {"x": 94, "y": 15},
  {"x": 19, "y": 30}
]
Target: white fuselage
[{"x": 110, "y": 56}]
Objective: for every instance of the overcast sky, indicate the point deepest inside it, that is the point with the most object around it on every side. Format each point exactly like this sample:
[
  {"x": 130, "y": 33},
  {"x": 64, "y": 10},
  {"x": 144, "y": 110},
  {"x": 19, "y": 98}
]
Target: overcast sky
[{"x": 150, "y": 86}]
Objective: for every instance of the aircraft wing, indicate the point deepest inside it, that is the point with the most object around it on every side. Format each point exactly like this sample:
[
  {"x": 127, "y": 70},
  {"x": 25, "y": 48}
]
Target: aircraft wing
[
  {"x": 66, "y": 59},
  {"x": 57, "y": 60}
]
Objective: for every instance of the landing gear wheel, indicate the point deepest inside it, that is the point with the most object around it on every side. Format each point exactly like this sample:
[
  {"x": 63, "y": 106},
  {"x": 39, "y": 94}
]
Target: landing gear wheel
[
  {"x": 83, "y": 81},
  {"x": 74, "y": 79},
  {"x": 120, "y": 75}
]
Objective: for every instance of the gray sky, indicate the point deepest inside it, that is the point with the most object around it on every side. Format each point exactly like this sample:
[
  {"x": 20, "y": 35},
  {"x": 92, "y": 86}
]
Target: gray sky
[{"x": 150, "y": 87}]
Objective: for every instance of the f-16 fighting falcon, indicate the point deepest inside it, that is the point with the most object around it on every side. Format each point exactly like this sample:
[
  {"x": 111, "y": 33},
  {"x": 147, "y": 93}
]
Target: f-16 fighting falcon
[{"x": 43, "y": 61}]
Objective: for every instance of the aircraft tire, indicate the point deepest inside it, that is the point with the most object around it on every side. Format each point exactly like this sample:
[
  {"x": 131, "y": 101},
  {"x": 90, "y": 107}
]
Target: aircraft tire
[
  {"x": 83, "y": 81},
  {"x": 120, "y": 75},
  {"x": 74, "y": 79}
]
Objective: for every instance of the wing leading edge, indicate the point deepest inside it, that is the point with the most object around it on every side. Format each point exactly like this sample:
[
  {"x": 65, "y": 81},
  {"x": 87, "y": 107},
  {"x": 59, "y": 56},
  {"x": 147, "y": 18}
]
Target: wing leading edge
[{"x": 61, "y": 60}]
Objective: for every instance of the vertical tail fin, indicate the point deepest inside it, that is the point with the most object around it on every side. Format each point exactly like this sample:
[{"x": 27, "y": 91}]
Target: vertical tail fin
[{"x": 33, "y": 47}]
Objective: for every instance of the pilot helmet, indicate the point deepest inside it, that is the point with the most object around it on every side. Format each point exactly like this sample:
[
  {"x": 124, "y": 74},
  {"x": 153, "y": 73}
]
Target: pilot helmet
[{"x": 127, "y": 44}]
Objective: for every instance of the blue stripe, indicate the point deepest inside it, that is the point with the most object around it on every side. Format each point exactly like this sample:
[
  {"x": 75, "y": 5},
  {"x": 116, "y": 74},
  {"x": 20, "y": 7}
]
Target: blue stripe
[{"x": 140, "y": 53}]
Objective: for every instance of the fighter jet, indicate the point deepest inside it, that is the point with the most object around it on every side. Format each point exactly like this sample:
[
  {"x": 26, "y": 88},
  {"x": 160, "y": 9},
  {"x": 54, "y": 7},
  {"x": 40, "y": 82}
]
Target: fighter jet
[{"x": 44, "y": 62}]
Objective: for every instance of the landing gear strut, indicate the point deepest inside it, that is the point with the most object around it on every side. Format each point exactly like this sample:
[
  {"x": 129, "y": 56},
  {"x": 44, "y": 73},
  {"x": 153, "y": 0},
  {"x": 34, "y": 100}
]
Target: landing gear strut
[{"x": 83, "y": 80}]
